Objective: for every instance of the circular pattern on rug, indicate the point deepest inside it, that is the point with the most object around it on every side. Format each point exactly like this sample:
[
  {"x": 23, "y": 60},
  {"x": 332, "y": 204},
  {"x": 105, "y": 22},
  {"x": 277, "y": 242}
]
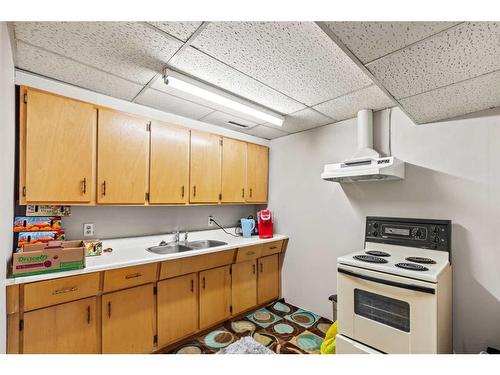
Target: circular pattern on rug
[
  {"x": 189, "y": 349},
  {"x": 283, "y": 329},
  {"x": 287, "y": 348},
  {"x": 263, "y": 317},
  {"x": 323, "y": 327},
  {"x": 218, "y": 339},
  {"x": 241, "y": 326},
  {"x": 303, "y": 317},
  {"x": 309, "y": 342},
  {"x": 265, "y": 339},
  {"x": 278, "y": 306}
]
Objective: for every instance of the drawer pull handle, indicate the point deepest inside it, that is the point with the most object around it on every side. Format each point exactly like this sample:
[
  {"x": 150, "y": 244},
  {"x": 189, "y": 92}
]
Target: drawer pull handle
[
  {"x": 109, "y": 309},
  {"x": 133, "y": 275},
  {"x": 192, "y": 285},
  {"x": 88, "y": 314},
  {"x": 65, "y": 290},
  {"x": 250, "y": 252},
  {"x": 272, "y": 248}
]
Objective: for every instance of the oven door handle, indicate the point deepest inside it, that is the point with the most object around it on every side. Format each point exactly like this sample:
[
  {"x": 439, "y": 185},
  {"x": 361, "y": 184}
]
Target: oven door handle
[{"x": 417, "y": 288}]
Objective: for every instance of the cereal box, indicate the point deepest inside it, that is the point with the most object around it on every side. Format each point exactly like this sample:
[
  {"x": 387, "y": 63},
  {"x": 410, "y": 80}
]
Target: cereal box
[
  {"x": 36, "y": 210},
  {"x": 93, "y": 248},
  {"x": 36, "y": 224},
  {"x": 27, "y": 238}
]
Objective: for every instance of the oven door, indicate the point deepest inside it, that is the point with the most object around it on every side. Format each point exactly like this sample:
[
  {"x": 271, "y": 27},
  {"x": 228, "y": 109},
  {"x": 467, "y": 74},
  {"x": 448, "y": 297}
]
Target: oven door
[{"x": 391, "y": 313}]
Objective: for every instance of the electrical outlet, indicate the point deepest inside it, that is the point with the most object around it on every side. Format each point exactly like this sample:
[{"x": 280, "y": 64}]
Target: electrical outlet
[
  {"x": 88, "y": 230},
  {"x": 210, "y": 222}
]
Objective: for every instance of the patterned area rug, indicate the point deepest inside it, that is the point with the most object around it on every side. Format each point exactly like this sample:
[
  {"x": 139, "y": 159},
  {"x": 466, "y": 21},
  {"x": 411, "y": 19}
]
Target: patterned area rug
[{"x": 279, "y": 326}]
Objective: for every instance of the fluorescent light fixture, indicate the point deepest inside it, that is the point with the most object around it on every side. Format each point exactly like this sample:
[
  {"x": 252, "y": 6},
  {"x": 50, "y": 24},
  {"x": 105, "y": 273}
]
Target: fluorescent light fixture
[{"x": 193, "y": 87}]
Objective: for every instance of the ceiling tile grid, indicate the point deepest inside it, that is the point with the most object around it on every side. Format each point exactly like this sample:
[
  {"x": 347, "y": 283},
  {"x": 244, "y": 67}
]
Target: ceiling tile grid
[
  {"x": 347, "y": 106},
  {"x": 265, "y": 132},
  {"x": 371, "y": 40},
  {"x": 208, "y": 69},
  {"x": 169, "y": 103},
  {"x": 296, "y": 58},
  {"x": 57, "y": 67},
  {"x": 465, "y": 51},
  {"x": 128, "y": 49},
  {"x": 302, "y": 120},
  {"x": 455, "y": 100},
  {"x": 180, "y": 30}
]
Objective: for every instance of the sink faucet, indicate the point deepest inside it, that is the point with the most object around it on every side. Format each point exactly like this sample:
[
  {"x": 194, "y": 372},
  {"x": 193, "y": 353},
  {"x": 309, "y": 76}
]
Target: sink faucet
[
  {"x": 186, "y": 236},
  {"x": 176, "y": 236}
]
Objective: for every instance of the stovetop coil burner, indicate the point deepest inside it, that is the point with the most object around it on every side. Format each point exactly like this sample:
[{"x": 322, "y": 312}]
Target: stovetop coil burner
[
  {"x": 370, "y": 259},
  {"x": 378, "y": 253},
  {"x": 421, "y": 260},
  {"x": 412, "y": 266}
]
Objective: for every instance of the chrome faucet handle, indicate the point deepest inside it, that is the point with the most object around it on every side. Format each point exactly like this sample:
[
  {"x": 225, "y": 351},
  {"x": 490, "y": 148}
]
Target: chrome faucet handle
[{"x": 176, "y": 236}]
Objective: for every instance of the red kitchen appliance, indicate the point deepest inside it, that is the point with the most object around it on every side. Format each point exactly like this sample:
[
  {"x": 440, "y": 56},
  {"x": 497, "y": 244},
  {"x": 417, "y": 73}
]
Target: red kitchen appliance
[{"x": 265, "y": 222}]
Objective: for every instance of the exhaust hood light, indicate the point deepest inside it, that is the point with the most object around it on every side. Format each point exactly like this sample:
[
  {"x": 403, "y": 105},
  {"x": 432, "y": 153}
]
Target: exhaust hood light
[{"x": 194, "y": 88}]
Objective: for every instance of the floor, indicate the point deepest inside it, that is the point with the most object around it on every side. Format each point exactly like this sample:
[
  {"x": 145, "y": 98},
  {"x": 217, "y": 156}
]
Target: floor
[{"x": 283, "y": 328}]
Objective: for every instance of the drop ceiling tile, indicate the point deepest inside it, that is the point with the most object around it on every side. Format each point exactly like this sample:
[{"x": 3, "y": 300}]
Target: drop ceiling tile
[
  {"x": 347, "y": 106},
  {"x": 181, "y": 30},
  {"x": 169, "y": 103},
  {"x": 206, "y": 68},
  {"x": 455, "y": 100},
  {"x": 265, "y": 132},
  {"x": 371, "y": 40},
  {"x": 465, "y": 51},
  {"x": 128, "y": 49},
  {"x": 54, "y": 66},
  {"x": 296, "y": 58},
  {"x": 222, "y": 119},
  {"x": 302, "y": 120}
]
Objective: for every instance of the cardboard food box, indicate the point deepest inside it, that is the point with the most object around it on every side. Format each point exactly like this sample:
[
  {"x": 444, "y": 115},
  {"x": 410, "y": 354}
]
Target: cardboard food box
[
  {"x": 36, "y": 210},
  {"x": 53, "y": 256},
  {"x": 30, "y": 238},
  {"x": 40, "y": 223},
  {"x": 93, "y": 248}
]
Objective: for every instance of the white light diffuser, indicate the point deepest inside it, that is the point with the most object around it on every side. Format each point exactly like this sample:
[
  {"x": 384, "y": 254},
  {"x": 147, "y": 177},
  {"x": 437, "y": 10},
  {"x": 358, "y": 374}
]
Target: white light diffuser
[{"x": 194, "y": 88}]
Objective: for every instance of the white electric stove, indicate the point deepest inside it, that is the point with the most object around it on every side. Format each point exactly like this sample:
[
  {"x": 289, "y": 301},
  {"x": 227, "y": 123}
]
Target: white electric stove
[{"x": 394, "y": 296}]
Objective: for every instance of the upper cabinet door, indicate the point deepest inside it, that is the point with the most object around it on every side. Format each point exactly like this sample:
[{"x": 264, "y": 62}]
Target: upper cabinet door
[
  {"x": 205, "y": 167},
  {"x": 169, "y": 168},
  {"x": 234, "y": 161},
  {"x": 257, "y": 173},
  {"x": 59, "y": 140},
  {"x": 123, "y": 157}
]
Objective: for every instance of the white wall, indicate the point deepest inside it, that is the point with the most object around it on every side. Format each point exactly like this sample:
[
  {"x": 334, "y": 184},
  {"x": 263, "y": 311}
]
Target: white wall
[
  {"x": 7, "y": 125},
  {"x": 452, "y": 173}
]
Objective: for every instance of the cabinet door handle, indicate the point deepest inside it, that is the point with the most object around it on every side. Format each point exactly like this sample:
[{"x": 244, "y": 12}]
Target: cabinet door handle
[
  {"x": 250, "y": 253},
  {"x": 192, "y": 285},
  {"x": 204, "y": 283},
  {"x": 84, "y": 185},
  {"x": 272, "y": 248},
  {"x": 243, "y": 192},
  {"x": 253, "y": 268},
  {"x": 182, "y": 191},
  {"x": 194, "y": 191},
  {"x": 261, "y": 268},
  {"x": 109, "y": 309},
  {"x": 133, "y": 275},
  {"x": 250, "y": 192},
  {"x": 104, "y": 188},
  {"x": 65, "y": 290},
  {"x": 88, "y": 314}
]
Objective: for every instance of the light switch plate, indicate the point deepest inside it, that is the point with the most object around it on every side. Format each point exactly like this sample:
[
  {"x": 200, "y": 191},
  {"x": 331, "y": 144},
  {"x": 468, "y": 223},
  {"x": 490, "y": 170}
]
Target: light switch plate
[{"x": 88, "y": 230}]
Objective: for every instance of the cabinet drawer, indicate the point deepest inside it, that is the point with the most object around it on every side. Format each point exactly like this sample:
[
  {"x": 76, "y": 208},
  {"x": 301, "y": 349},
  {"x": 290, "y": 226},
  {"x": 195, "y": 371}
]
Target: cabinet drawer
[
  {"x": 127, "y": 277},
  {"x": 249, "y": 253},
  {"x": 53, "y": 292},
  {"x": 271, "y": 248},
  {"x": 177, "y": 267}
]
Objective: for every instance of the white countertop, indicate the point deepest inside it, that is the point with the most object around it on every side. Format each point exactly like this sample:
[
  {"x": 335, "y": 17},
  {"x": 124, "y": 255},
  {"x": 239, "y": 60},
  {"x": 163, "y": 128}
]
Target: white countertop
[{"x": 132, "y": 251}]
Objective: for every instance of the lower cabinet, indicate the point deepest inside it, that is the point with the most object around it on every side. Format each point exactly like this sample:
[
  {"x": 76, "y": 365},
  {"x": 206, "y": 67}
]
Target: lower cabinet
[
  {"x": 215, "y": 296},
  {"x": 268, "y": 287},
  {"x": 244, "y": 286},
  {"x": 177, "y": 308},
  {"x": 69, "y": 328},
  {"x": 128, "y": 320}
]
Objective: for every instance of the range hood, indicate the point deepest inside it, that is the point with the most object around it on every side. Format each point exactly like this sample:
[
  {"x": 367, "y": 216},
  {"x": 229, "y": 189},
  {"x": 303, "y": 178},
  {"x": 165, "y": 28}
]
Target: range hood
[{"x": 366, "y": 164}]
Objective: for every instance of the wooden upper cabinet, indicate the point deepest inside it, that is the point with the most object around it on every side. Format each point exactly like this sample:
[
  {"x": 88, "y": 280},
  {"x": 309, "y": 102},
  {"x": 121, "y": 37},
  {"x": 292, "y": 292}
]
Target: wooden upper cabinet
[
  {"x": 234, "y": 161},
  {"x": 205, "y": 167},
  {"x": 58, "y": 138},
  {"x": 69, "y": 328},
  {"x": 123, "y": 158},
  {"x": 257, "y": 173},
  {"x": 169, "y": 167},
  {"x": 128, "y": 321},
  {"x": 215, "y": 296}
]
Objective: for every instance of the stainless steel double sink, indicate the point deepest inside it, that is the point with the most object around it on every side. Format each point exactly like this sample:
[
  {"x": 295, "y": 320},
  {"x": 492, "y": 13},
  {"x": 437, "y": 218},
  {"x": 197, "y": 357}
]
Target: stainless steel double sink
[{"x": 179, "y": 247}]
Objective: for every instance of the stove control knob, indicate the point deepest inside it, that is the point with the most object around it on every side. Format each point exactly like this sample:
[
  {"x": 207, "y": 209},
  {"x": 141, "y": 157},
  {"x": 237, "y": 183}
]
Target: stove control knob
[
  {"x": 435, "y": 239},
  {"x": 375, "y": 234},
  {"x": 435, "y": 229},
  {"x": 375, "y": 225}
]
